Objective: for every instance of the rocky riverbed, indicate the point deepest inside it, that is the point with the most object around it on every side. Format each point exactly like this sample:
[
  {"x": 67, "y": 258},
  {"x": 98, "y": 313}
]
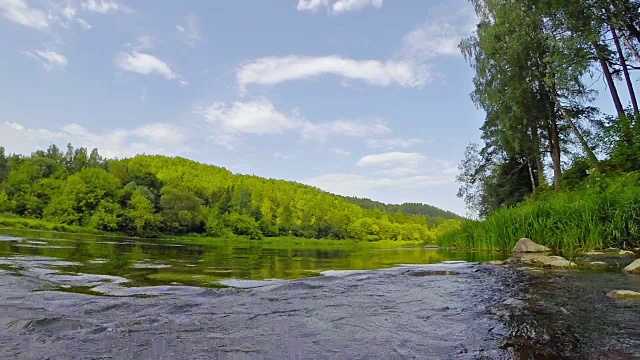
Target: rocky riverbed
[{"x": 457, "y": 310}]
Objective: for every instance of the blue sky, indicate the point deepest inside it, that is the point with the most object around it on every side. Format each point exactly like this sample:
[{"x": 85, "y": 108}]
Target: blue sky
[{"x": 357, "y": 97}]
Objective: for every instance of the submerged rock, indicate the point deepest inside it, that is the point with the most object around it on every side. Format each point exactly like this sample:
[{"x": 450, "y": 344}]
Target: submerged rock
[
  {"x": 624, "y": 294},
  {"x": 430, "y": 272},
  {"x": 633, "y": 268},
  {"x": 432, "y": 247},
  {"x": 495, "y": 262},
  {"x": 547, "y": 261},
  {"x": 592, "y": 253},
  {"x": 525, "y": 245},
  {"x": 626, "y": 253},
  {"x": 598, "y": 264}
]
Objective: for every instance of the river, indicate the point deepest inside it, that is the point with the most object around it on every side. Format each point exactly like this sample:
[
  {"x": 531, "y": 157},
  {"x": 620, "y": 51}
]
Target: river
[{"x": 77, "y": 297}]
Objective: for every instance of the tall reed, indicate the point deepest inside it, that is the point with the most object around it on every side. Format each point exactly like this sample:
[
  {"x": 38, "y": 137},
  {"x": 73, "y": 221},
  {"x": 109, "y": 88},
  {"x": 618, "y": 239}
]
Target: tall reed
[{"x": 604, "y": 212}]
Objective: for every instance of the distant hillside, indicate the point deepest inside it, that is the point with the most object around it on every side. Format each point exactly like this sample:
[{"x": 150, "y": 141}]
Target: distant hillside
[
  {"x": 148, "y": 195},
  {"x": 437, "y": 214}
]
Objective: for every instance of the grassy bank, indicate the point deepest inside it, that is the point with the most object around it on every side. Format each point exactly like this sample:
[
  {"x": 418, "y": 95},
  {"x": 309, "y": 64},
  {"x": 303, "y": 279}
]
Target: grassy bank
[
  {"x": 603, "y": 212},
  {"x": 13, "y": 222},
  {"x": 17, "y": 222}
]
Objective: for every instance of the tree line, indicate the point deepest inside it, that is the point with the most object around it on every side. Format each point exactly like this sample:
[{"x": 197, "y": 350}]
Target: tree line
[
  {"x": 536, "y": 63},
  {"x": 151, "y": 195}
]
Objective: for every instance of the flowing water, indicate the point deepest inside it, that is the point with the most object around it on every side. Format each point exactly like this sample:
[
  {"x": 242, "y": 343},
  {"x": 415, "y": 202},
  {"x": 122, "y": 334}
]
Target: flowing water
[{"x": 77, "y": 297}]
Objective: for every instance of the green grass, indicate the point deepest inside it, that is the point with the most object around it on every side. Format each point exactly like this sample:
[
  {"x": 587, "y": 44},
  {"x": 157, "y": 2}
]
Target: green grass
[
  {"x": 10, "y": 222},
  {"x": 605, "y": 212},
  {"x": 21, "y": 223}
]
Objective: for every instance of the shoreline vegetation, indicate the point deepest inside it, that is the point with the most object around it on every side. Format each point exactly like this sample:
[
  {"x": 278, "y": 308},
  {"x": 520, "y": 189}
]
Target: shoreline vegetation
[
  {"x": 156, "y": 196},
  {"x": 553, "y": 166}
]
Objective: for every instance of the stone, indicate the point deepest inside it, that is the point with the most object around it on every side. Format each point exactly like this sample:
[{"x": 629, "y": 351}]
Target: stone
[
  {"x": 626, "y": 253},
  {"x": 592, "y": 253},
  {"x": 432, "y": 247},
  {"x": 624, "y": 294},
  {"x": 547, "y": 261},
  {"x": 525, "y": 245},
  {"x": 430, "y": 272},
  {"x": 495, "y": 262},
  {"x": 598, "y": 264},
  {"x": 633, "y": 268}
]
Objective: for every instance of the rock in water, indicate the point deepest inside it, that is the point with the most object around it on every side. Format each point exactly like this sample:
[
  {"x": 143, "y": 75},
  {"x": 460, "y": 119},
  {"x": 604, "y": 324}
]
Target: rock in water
[
  {"x": 626, "y": 253},
  {"x": 633, "y": 268},
  {"x": 625, "y": 294},
  {"x": 525, "y": 245},
  {"x": 495, "y": 262},
  {"x": 547, "y": 261}
]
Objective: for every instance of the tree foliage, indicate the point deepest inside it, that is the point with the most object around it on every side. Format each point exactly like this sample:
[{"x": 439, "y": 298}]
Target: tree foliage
[
  {"x": 535, "y": 64},
  {"x": 150, "y": 195}
]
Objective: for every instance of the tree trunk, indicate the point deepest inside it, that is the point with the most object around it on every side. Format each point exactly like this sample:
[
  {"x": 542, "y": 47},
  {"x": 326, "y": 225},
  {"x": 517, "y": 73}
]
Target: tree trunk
[
  {"x": 554, "y": 149},
  {"x": 607, "y": 74},
  {"x": 625, "y": 70},
  {"x": 578, "y": 133},
  {"x": 536, "y": 148},
  {"x": 533, "y": 180}
]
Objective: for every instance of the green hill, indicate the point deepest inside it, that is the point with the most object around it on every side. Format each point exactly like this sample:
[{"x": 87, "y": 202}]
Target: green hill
[
  {"x": 148, "y": 195},
  {"x": 435, "y": 215}
]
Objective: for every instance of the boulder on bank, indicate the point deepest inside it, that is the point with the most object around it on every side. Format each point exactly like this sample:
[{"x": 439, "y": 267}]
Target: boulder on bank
[
  {"x": 525, "y": 245},
  {"x": 547, "y": 261},
  {"x": 633, "y": 268},
  {"x": 624, "y": 294}
]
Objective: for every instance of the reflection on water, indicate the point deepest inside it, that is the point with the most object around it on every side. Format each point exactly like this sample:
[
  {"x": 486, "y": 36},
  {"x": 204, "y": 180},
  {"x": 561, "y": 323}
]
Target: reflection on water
[{"x": 146, "y": 262}]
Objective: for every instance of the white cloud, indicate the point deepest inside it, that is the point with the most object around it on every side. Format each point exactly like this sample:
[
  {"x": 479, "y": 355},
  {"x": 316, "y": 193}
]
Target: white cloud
[
  {"x": 50, "y": 60},
  {"x": 337, "y": 7},
  {"x": 83, "y": 23},
  {"x": 393, "y": 143},
  {"x": 19, "y": 12},
  {"x": 154, "y": 138},
  {"x": 104, "y": 6},
  {"x": 349, "y": 128},
  {"x": 69, "y": 12},
  {"x": 275, "y": 70},
  {"x": 449, "y": 23},
  {"x": 260, "y": 117},
  {"x": 368, "y": 186},
  {"x": 190, "y": 30},
  {"x": 251, "y": 117},
  {"x": 146, "y": 64},
  {"x": 342, "y": 6},
  {"x": 392, "y": 159}
]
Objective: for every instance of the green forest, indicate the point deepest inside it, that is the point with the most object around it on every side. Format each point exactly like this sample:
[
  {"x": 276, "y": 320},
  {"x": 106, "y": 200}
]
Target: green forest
[
  {"x": 552, "y": 166},
  {"x": 152, "y": 195}
]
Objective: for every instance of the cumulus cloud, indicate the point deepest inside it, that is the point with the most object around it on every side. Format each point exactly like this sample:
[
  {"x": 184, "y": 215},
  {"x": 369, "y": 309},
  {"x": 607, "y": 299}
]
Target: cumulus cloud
[
  {"x": 337, "y": 7},
  {"x": 21, "y": 13},
  {"x": 395, "y": 158},
  {"x": 251, "y": 117},
  {"x": 104, "y": 6},
  {"x": 50, "y": 60},
  {"x": 369, "y": 185},
  {"x": 154, "y": 138},
  {"x": 146, "y": 64},
  {"x": 275, "y": 70},
  {"x": 260, "y": 117}
]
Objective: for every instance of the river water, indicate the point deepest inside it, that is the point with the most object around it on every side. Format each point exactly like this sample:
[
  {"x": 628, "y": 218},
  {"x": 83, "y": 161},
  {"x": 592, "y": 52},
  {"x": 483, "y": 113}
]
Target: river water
[{"x": 73, "y": 297}]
